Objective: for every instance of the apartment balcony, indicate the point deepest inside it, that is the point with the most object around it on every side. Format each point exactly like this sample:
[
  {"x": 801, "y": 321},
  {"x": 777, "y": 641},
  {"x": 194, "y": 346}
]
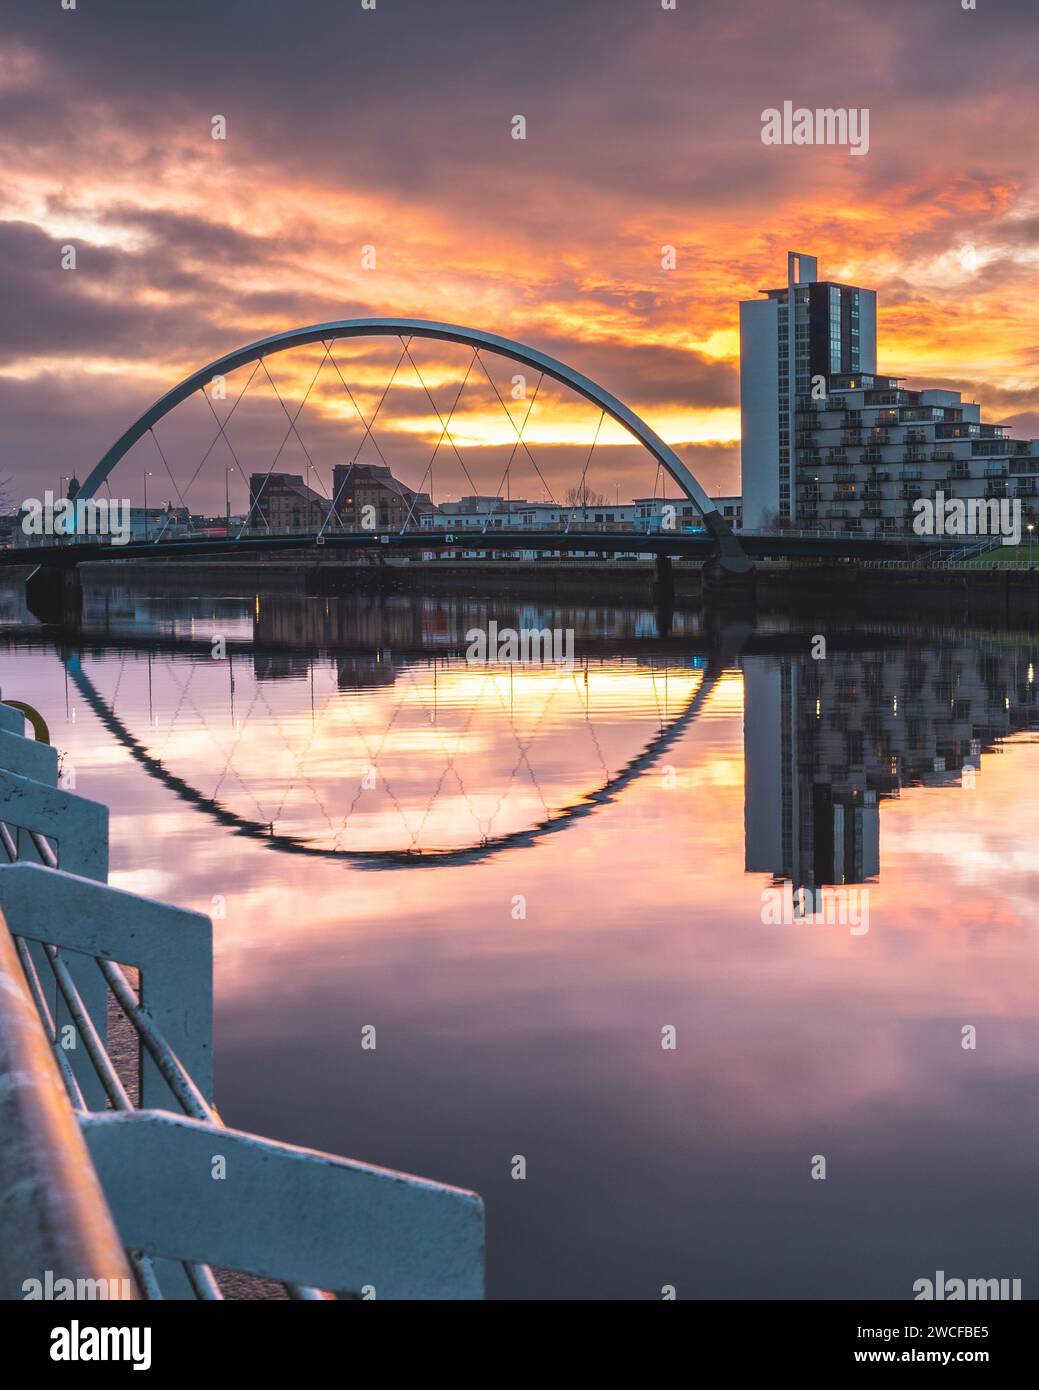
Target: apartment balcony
[
  {"x": 880, "y": 434},
  {"x": 1029, "y": 489},
  {"x": 876, "y": 477},
  {"x": 908, "y": 492},
  {"x": 837, "y": 456},
  {"x": 872, "y": 509},
  {"x": 991, "y": 471},
  {"x": 845, "y": 478},
  {"x": 910, "y": 475},
  {"x": 852, "y": 437},
  {"x": 851, "y": 419},
  {"x": 997, "y": 488},
  {"x": 915, "y": 456},
  {"x": 916, "y": 437},
  {"x": 957, "y": 472},
  {"x": 872, "y": 494},
  {"x": 990, "y": 448}
]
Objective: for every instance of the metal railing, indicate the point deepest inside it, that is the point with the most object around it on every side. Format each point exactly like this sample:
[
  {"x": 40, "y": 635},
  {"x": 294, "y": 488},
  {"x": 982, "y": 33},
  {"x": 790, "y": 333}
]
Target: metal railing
[
  {"x": 142, "y": 1164},
  {"x": 54, "y": 1214}
]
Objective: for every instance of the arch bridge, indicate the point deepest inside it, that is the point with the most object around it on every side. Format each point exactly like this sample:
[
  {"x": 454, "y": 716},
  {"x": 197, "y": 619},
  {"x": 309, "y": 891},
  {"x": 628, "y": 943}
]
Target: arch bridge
[{"x": 730, "y": 553}]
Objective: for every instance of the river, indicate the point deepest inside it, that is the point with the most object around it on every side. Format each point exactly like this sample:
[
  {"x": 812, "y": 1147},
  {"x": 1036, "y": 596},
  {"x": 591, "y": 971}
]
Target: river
[{"x": 545, "y": 889}]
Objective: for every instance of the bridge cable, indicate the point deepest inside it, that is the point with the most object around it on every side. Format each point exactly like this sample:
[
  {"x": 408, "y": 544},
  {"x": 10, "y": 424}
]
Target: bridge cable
[
  {"x": 151, "y": 431},
  {"x": 584, "y": 472},
  {"x": 277, "y": 456},
  {"x": 444, "y": 429},
  {"x": 402, "y": 487},
  {"x": 368, "y": 428},
  {"x": 505, "y": 478},
  {"x": 360, "y": 413},
  {"x": 368, "y": 433},
  {"x": 293, "y": 419},
  {"x": 436, "y": 412},
  {"x": 512, "y": 422},
  {"x": 378, "y": 408},
  {"x": 222, "y": 430}
]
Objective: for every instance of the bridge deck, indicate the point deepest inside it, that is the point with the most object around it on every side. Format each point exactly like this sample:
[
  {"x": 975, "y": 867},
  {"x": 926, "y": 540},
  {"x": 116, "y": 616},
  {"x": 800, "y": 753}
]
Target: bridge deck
[{"x": 699, "y": 546}]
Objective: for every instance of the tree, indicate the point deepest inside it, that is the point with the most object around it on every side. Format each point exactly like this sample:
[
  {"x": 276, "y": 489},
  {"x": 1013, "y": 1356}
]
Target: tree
[
  {"x": 776, "y": 521},
  {"x": 581, "y": 495}
]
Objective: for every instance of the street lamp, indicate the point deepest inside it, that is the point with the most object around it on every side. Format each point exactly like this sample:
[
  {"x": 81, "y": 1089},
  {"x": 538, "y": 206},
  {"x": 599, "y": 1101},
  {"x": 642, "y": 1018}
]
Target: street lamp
[
  {"x": 147, "y": 528},
  {"x": 1031, "y": 537},
  {"x": 66, "y": 478}
]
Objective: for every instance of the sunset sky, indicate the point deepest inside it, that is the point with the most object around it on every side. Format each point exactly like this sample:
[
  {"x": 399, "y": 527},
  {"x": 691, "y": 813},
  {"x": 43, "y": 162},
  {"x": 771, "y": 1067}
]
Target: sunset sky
[{"x": 391, "y": 128}]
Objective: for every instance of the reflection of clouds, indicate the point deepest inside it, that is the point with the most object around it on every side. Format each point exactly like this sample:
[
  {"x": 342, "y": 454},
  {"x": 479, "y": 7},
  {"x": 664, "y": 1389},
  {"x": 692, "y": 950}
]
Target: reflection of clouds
[
  {"x": 644, "y": 916},
  {"x": 149, "y": 883},
  {"x": 965, "y": 858},
  {"x": 792, "y": 1040},
  {"x": 460, "y": 752}
]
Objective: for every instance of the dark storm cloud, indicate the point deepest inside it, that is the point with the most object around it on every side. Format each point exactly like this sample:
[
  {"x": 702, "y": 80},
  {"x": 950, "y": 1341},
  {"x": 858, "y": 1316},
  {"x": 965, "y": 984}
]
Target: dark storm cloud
[
  {"x": 1000, "y": 403},
  {"x": 409, "y": 93},
  {"x": 54, "y": 311},
  {"x": 651, "y": 373},
  {"x": 106, "y": 304}
]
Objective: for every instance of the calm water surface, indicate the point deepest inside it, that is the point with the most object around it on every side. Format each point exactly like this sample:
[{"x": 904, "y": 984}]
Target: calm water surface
[{"x": 522, "y": 876}]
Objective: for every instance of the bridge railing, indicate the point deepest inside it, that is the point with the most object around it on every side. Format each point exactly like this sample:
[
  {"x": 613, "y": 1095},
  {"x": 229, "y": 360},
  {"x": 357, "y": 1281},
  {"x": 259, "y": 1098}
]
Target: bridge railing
[{"x": 314, "y": 1222}]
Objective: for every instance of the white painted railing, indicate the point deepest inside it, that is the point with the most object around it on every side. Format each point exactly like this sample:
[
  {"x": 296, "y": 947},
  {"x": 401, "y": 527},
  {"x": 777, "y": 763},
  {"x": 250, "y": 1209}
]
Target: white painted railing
[{"x": 312, "y": 1221}]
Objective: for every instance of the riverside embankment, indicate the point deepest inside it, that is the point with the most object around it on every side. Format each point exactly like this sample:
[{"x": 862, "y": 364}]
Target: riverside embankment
[{"x": 966, "y": 593}]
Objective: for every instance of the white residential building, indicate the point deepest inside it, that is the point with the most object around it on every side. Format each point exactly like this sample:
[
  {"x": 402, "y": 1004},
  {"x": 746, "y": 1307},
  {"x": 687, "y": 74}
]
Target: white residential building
[
  {"x": 829, "y": 443},
  {"x": 833, "y": 329}
]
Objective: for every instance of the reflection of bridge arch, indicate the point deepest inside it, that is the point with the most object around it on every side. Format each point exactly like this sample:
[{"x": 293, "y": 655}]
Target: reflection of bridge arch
[
  {"x": 394, "y": 859},
  {"x": 729, "y": 549}
]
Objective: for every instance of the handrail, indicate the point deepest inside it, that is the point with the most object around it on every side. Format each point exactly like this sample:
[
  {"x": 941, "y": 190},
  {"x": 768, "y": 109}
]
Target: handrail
[{"x": 56, "y": 1221}]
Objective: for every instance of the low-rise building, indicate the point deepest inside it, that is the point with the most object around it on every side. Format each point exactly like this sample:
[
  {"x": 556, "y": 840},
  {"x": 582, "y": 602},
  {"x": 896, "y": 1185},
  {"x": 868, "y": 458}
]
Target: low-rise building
[
  {"x": 284, "y": 502},
  {"x": 367, "y": 497}
]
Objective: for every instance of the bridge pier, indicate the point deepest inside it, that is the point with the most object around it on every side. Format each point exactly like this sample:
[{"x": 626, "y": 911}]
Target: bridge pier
[
  {"x": 54, "y": 595},
  {"x": 664, "y": 594},
  {"x": 664, "y": 583},
  {"x": 729, "y": 590}
]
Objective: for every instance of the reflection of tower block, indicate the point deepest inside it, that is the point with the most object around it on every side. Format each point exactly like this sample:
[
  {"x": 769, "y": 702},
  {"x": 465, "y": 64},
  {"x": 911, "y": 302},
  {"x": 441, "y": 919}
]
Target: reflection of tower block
[{"x": 846, "y": 834}]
